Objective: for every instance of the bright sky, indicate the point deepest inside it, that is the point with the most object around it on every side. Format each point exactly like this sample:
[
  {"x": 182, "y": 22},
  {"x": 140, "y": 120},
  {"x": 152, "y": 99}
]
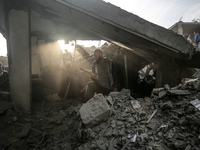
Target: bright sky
[
  {"x": 161, "y": 12},
  {"x": 3, "y": 46}
]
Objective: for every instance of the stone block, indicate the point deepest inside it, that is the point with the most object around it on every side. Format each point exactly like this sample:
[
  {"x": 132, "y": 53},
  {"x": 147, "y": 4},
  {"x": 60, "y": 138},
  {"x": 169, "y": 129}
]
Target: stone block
[
  {"x": 95, "y": 110},
  {"x": 25, "y": 131}
]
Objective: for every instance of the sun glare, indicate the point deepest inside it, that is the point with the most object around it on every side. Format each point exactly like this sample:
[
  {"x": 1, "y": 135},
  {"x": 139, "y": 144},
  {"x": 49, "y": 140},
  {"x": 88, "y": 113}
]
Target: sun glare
[
  {"x": 69, "y": 47},
  {"x": 3, "y": 46}
]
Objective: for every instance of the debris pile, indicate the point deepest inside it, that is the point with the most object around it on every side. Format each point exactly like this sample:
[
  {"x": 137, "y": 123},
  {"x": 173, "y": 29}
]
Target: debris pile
[
  {"x": 53, "y": 127},
  {"x": 168, "y": 120}
]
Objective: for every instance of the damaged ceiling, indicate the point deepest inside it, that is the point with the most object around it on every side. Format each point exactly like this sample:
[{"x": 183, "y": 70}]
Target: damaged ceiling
[{"x": 95, "y": 20}]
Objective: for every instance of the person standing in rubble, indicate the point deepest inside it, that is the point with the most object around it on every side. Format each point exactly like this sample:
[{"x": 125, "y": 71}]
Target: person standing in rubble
[
  {"x": 196, "y": 41},
  {"x": 103, "y": 76},
  {"x": 1, "y": 68},
  {"x": 189, "y": 38}
]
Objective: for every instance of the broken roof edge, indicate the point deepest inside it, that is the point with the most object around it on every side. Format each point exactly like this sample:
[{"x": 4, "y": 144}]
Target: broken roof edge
[
  {"x": 181, "y": 22},
  {"x": 131, "y": 23}
]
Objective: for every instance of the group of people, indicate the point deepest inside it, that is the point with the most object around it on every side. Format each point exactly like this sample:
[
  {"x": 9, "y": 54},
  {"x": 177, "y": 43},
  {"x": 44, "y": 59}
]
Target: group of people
[{"x": 196, "y": 40}]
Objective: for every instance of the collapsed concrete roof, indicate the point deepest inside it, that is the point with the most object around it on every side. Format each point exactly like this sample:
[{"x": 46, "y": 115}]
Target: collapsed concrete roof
[
  {"x": 105, "y": 21},
  {"x": 22, "y": 21},
  {"x": 93, "y": 20}
]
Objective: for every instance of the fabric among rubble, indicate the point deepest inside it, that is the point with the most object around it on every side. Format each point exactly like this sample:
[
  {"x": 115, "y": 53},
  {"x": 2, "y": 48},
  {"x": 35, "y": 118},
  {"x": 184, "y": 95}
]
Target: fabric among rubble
[{"x": 168, "y": 120}]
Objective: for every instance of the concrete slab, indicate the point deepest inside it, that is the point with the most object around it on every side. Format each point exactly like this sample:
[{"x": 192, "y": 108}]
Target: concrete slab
[
  {"x": 95, "y": 110},
  {"x": 120, "y": 27},
  {"x": 131, "y": 23}
]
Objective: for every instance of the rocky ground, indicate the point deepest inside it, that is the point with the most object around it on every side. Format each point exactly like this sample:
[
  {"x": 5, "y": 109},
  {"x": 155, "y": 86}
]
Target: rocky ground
[{"x": 168, "y": 120}]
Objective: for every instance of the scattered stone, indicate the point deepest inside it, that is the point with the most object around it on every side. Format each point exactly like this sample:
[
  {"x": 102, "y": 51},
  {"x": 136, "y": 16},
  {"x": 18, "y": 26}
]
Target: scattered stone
[
  {"x": 196, "y": 103},
  {"x": 4, "y": 105},
  {"x": 188, "y": 147},
  {"x": 162, "y": 94},
  {"x": 179, "y": 92},
  {"x": 157, "y": 90},
  {"x": 167, "y": 105},
  {"x": 135, "y": 104},
  {"x": 131, "y": 120},
  {"x": 114, "y": 94},
  {"x": 179, "y": 144},
  {"x": 152, "y": 124},
  {"x": 125, "y": 92},
  {"x": 166, "y": 87},
  {"x": 25, "y": 131},
  {"x": 120, "y": 123}
]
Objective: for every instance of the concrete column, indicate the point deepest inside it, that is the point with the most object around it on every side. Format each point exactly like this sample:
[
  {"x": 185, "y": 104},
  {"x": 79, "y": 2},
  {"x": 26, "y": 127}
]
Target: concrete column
[
  {"x": 20, "y": 65},
  {"x": 180, "y": 29},
  {"x": 168, "y": 72}
]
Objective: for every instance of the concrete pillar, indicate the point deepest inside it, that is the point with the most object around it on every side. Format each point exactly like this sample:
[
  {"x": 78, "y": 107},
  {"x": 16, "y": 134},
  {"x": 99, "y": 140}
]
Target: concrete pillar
[
  {"x": 20, "y": 65},
  {"x": 168, "y": 72},
  {"x": 35, "y": 57},
  {"x": 180, "y": 28}
]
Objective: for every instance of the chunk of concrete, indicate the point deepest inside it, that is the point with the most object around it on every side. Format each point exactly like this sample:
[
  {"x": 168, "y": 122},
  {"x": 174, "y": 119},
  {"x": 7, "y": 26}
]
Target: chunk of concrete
[
  {"x": 167, "y": 105},
  {"x": 125, "y": 92},
  {"x": 196, "y": 103},
  {"x": 95, "y": 110},
  {"x": 179, "y": 92},
  {"x": 162, "y": 94},
  {"x": 25, "y": 131},
  {"x": 179, "y": 144}
]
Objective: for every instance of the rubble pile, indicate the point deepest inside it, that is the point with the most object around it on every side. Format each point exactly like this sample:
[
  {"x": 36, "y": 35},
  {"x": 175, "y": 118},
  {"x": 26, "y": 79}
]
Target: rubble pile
[
  {"x": 168, "y": 120},
  {"x": 49, "y": 129}
]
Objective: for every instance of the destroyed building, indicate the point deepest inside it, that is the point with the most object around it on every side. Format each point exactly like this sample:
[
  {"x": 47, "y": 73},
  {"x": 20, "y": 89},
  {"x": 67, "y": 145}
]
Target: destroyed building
[{"x": 32, "y": 29}]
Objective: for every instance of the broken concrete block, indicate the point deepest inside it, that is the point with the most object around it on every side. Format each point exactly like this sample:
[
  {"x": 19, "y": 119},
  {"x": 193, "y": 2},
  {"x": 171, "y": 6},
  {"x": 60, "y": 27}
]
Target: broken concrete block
[
  {"x": 167, "y": 87},
  {"x": 170, "y": 134},
  {"x": 108, "y": 132},
  {"x": 95, "y": 110},
  {"x": 25, "y": 131},
  {"x": 152, "y": 124},
  {"x": 196, "y": 103},
  {"x": 162, "y": 94},
  {"x": 125, "y": 92},
  {"x": 188, "y": 147},
  {"x": 114, "y": 94},
  {"x": 135, "y": 104},
  {"x": 61, "y": 116},
  {"x": 131, "y": 120},
  {"x": 179, "y": 144},
  {"x": 120, "y": 123},
  {"x": 195, "y": 83},
  {"x": 179, "y": 92},
  {"x": 157, "y": 90},
  {"x": 113, "y": 124},
  {"x": 167, "y": 105}
]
